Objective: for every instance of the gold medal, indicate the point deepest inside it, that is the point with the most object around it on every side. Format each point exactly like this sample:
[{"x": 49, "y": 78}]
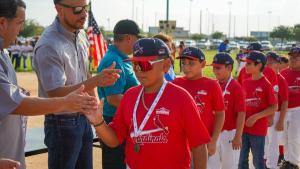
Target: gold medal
[{"x": 136, "y": 147}]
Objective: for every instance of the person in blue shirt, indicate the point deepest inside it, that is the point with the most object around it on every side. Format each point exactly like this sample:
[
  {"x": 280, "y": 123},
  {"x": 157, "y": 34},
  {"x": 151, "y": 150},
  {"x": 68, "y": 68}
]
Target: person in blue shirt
[
  {"x": 126, "y": 33},
  {"x": 170, "y": 75},
  {"x": 224, "y": 46}
]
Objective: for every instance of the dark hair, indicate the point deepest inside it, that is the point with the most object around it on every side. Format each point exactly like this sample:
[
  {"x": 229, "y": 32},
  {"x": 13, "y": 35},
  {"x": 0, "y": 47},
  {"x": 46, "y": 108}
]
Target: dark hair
[
  {"x": 262, "y": 66},
  {"x": 284, "y": 59},
  {"x": 8, "y": 8},
  {"x": 57, "y": 1}
]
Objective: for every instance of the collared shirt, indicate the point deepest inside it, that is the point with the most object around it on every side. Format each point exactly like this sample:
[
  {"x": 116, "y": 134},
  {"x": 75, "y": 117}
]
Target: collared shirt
[
  {"x": 127, "y": 78},
  {"x": 60, "y": 58},
  {"x": 12, "y": 127},
  {"x": 223, "y": 47}
]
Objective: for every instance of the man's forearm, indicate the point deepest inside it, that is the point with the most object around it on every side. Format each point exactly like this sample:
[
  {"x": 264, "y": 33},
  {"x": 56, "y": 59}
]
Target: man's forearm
[
  {"x": 199, "y": 155},
  {"x": 283, "y": 109},
  {"x": 267, "y": 112},
  {"x": 32, "y": 106}
]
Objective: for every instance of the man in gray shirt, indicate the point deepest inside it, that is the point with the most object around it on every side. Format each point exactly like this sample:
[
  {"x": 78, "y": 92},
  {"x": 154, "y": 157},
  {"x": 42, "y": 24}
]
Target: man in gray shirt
[
  {"x": 14, "y": 103},
  {"x": 61, "y": 64}
]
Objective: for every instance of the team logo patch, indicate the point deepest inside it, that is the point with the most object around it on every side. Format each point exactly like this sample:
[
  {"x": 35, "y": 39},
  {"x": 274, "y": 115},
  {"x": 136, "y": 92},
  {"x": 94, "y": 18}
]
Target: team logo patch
[
  {"x": 187, "y": 52},
  {"x": 163, "y": 111},
  {"x": 162, "y": 51},
  {"x": 276, "y": 88},
  {"x": 138, "y": 49},
  {"x": 202, "y": 92}
]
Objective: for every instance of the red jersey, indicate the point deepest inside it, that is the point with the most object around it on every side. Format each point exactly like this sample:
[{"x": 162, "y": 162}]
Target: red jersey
[
  {"x": 173, "y": 128},
  {"x": 208, "y": 96},
  {"x": 259, "y": 96},
  {"x": 283, "y": 93},
  {"x": 293, "y": 80},
  {"x": 234, "y": 100},
  {"x": 268, "y": 73}
]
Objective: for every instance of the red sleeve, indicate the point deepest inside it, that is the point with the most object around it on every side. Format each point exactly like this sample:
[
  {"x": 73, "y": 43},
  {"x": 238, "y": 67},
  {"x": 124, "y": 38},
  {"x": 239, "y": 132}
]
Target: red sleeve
[
  {"x": 239, "y": 99},
  {"x": 283, "y": 89},
  {"x": 195, "y": 130},
  {"x": 218, "y": 102},
  {"x": 271, "y": 95},
  {"x": 271, "y": 76},
  {"x": 118, "y": 124}
]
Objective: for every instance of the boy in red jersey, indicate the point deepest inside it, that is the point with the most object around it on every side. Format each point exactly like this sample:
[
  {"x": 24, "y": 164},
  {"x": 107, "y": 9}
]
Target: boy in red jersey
[
  {"x": 206, "y": 92},
  {"x": 291, "y": 132},
  {"x": 260, "y": 104},
  {"x": 230, "y": 140},
  {"x": 273, "y": 135},
  {"x": 159, "y": 130}
]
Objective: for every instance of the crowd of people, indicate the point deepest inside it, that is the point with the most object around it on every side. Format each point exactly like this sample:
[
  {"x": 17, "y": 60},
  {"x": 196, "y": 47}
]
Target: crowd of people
[{"x": 145, "y": 116}]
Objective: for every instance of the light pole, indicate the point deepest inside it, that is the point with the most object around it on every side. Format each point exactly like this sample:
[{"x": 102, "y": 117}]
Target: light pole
[
  {"x": 143, "y": 17},
  {"x": 190, "y": 20},
  {"x": 229, "y": 24},
  {"x": 247, "y": 18},
  {"x": 269, "y": 13},
  {"x": 167, "y": 19},
  {"x": 200, "y": 21},
  {"x": 108, "y": 22},
  {"x": 132, "y": 9},
  {"x": 207, "y": 17}
]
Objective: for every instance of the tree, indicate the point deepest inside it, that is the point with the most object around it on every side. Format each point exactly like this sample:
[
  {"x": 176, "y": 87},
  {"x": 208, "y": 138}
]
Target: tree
[
  {"x": 296, "y": 32},
  {"x": 217, "y": 35},
  {"x": 197, "y": 36},
  {"x": 31, "y": 28},
  {"x": 282, "y": 32}
]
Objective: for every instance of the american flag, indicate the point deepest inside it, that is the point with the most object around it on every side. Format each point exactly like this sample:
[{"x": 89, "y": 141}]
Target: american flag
[{"x": 98, "y": 45}]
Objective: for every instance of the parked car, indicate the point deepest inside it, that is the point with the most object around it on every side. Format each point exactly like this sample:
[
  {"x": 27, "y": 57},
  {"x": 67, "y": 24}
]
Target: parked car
[
  {"x": 216, "y": 43},
  {"x": 233, "y": 45},
  {"x": 266, "y": 45},
  {"x": 280, "y": 46},
  {"x": 190, "y": 43},
  {"x": 243, "y": 44},
  {"x": 204, "y": 44},
  {"x": 289, "y": 45}
]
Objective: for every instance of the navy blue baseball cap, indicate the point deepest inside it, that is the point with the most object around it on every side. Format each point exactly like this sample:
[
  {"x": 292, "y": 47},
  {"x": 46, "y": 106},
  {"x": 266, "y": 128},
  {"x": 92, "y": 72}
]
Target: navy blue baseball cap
[
  {"x": 294, "y": 50},
  {"x": 192, "y": 53},
  {"x": 222, "y": 58},
  {"x": 256, "y": 56},
  {"x": 254, "y": 46},
  {"x": 274, "y": 56},
  {"x": 127, "y": 26},
  {"x": 147, "y": 49}
]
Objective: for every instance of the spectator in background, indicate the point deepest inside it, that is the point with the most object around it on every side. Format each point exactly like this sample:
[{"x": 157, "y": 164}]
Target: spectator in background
[
  {"x": 170, "y": 75},
  {"x": 284, "y": 63},
  {"x": 181, "y": 47},
  {"x": 26, "y": 51},
  {"x": 239, "y": 64},
  {"x": 15, "y": 50},
  {"x": 224, "y": 46}
]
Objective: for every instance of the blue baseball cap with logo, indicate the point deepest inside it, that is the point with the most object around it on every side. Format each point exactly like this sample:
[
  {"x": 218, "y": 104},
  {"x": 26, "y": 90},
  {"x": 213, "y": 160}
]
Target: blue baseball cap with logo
[
  {"x": 192, "y": 53},
  {"x": 147, "y": 49},
  {"x": 222, "y": 58},
  {"x": 256, "y": 56},
  {"x": 254, "y": 46},
  {"x": 274, "y": 56}
]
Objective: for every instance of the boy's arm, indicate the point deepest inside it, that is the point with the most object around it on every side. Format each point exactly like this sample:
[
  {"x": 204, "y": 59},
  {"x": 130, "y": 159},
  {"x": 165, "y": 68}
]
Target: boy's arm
[
  {"x": 280, "y": 124},
  {"x": 218, "y": 125},
  {"x": 104, "y": 132},
  {"x": 237, "y": 140},
  {"x": 199, "y": 155},
  {"x": 266, "y": 112}
]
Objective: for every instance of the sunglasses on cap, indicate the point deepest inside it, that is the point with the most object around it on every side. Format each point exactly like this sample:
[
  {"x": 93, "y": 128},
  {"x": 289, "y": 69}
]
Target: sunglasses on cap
[
  {"x": 76, "y": 9},
  {"x": 144, "y": 66}
]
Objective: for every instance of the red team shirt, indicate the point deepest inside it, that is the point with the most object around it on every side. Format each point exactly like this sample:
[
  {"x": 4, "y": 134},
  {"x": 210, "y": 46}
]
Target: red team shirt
[
  {"x": 234, "y": 100},
  {"x": 283, "y": 93},
  {"x": 293, "y": 80},
  {"x": 208, "y": 96},
  {"x": 177, "y": 123},
  {"x": 259, "y": 96}
]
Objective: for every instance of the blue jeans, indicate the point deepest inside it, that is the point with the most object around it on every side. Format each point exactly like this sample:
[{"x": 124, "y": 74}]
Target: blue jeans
[
  {"x": 113, "y": 158},
  {"x": 69, "y": 139},
  {"x": 256, "y": 144}
]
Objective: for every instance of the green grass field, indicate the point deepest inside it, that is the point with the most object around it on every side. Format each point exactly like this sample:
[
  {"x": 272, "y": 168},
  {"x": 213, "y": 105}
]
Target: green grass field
[{"x": 209, "y": 54}]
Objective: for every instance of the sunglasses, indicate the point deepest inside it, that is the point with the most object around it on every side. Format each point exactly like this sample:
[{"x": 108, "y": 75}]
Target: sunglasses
[
  {"x": 76, "y": 9},
  {"x": 144, "y": 66}
]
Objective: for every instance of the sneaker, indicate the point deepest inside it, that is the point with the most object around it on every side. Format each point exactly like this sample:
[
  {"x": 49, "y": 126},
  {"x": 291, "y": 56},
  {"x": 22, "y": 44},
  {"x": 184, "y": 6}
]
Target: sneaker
[
  {"x": 280, "y": 160},
  {"x": 284, "y": 165}
]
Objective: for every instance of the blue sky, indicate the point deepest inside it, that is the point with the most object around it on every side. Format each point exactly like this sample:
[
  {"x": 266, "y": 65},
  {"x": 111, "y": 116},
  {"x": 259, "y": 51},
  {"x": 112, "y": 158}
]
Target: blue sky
[{"x": 263, "y": 14}]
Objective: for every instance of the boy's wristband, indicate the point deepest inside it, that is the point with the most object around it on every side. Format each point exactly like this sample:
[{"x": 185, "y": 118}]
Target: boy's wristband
[{"x": 99, "y": 124}]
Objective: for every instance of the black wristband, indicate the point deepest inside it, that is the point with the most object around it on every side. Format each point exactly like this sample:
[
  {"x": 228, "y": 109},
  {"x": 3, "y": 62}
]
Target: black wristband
[{"x": 99, "y": 124}]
